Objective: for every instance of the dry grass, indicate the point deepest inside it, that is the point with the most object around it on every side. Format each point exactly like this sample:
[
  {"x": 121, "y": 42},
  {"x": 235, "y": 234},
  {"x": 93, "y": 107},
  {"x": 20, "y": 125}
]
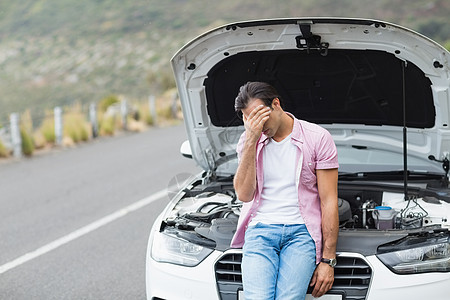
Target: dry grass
[
  {"x": 76, "y": 127},
  {"x": 47, "y": 129},
  {"x": 4, "y": 152}
]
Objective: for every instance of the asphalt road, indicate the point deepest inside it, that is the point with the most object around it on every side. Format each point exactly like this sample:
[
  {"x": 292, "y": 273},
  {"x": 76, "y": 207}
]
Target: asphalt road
[{"x": 51, "y": 196}]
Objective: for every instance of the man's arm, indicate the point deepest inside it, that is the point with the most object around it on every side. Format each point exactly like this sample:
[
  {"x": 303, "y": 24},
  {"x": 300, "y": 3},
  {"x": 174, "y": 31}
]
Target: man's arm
[
  {"x": 323, "y": 276},
  {"x": 245, "y": 177}
]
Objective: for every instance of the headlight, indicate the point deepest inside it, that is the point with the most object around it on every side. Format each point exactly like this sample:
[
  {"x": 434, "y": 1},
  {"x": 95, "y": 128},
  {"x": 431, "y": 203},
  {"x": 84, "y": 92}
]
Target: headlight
[
  {"x": 170, "y": 249},
  {"x": 429, "y": 258}
]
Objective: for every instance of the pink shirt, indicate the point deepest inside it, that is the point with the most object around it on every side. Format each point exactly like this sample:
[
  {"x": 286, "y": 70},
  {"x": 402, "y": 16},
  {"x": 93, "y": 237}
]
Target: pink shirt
[{"x": 316, "y": 150}]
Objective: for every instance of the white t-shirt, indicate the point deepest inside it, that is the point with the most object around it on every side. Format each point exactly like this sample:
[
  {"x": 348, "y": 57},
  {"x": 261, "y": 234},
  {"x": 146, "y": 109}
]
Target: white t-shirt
[{"x": 279, "y": 198}]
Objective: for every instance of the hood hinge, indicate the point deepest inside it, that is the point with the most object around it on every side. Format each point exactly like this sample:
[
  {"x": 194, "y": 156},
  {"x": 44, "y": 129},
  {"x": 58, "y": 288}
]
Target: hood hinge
[
  {"x": 445, "y": 165},
  {"x": 310, "y": 41}
]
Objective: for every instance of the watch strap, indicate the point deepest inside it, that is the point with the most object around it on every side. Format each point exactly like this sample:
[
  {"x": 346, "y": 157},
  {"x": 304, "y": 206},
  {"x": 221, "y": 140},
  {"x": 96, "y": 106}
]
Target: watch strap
[{"x": 330, "y": 262}]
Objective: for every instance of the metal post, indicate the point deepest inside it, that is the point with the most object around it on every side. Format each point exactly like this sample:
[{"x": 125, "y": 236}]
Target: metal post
[
  {"x": 124, "y": 113},
  {"x": 58, "y": 125},
  {"x": 93, "y": 119},
  {"x": 16, "y": 139},
  {"x": 152, "y": 108}
]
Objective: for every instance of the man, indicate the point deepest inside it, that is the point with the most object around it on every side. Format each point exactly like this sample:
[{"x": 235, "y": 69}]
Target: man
[{"x": 287, "y": 179}]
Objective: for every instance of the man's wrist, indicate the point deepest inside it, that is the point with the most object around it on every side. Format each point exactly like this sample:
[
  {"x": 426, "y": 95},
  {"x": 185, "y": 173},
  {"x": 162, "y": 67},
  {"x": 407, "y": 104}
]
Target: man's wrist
[
  {"x": 252, "y": 140},
  {"x": 329, "y": 261}
]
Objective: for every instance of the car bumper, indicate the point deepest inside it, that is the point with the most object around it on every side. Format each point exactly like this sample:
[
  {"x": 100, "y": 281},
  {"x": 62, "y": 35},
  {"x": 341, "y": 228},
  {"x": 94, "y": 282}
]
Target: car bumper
[
  {"x": 174, "y": 282},
  {"x": 168, "y": 281}
]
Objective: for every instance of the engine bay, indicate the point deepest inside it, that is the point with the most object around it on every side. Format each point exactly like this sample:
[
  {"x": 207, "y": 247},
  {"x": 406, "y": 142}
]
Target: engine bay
[{"x": 207, "y": 213}]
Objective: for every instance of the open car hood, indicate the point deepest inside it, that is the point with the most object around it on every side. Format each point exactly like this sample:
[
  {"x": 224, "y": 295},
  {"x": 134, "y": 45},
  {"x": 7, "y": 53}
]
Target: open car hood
[{"x": 352, "y": 76}]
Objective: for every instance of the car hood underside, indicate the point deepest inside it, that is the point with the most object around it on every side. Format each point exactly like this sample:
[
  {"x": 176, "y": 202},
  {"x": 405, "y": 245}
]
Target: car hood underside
[{"x": 363, "y": 80}]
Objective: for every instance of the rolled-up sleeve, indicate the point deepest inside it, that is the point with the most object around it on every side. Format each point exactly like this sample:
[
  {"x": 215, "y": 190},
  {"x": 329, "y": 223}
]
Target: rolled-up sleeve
[{"x": 326, "y": 154}]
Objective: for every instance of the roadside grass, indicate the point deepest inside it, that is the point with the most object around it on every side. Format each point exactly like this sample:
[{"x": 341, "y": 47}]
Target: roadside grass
[
  {"x": 26, "y": 130},
  {"x": 76, "y": 128},
  {"x": 107, "y": 125},
  {"x": 144, "y": 114},
  {"x": 39, "y": 140},
  {"x": 4, "y": 152},
  {"x": 47, "y": 130},
  {"x": 27, "y": 142}
]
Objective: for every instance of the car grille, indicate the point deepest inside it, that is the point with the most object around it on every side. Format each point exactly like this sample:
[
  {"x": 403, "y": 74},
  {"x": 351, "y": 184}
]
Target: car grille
[
  {"x": 351, "y": 277},
  {"x": 228, "y": 276}
]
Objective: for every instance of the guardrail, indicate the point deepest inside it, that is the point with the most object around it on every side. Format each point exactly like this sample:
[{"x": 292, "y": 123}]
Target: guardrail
[{"x": 10, "y": 131}]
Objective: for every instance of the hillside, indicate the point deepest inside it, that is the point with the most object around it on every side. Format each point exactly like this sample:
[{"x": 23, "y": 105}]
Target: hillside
[{"x": 55, "y": 52}]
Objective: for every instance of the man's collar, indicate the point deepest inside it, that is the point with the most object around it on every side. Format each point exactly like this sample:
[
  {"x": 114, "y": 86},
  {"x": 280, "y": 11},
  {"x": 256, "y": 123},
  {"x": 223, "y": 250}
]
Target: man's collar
[{"x": 296, "y": 130}]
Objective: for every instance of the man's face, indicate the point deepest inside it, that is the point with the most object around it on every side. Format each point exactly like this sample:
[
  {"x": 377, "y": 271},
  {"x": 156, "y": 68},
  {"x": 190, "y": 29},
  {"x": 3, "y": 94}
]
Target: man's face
[{"x": 271, "y": 125}]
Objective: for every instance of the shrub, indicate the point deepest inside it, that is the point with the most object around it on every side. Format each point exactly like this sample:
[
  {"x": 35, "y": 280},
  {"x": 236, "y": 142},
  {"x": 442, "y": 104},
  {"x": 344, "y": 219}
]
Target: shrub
[
  {"x": 106, "y": 102},
  {"x": 149, "y": 120},
  {"x": 39, "y": 140},
  {"x": 3, "y": 151},
  {"x": 145, "y": 115},
  {"x": 27, "y": 142},
  {"x": 76, "y": 127},
  {"x": 107, "y": 126},
  {"x": 166, "y": 108},
  {"x": 26, "y": 129},
  {"x": 165, "y": 112},
  {"x": 48, "y": 130}
]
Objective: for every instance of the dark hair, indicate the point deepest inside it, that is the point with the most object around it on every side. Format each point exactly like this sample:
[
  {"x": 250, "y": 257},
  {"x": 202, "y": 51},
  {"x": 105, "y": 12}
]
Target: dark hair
[{"x": 255, "y": 90}]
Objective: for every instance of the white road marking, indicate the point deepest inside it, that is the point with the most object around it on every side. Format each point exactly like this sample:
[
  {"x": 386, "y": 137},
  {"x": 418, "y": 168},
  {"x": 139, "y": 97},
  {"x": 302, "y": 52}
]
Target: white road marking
[{"x": 82, "y": 231}]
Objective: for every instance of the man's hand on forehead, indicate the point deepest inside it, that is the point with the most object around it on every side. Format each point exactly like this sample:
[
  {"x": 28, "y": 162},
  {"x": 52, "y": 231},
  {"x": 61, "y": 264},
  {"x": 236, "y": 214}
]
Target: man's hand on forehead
[
  {"x": 255, "y": 120},
  {"x": 259, "y": 112}
]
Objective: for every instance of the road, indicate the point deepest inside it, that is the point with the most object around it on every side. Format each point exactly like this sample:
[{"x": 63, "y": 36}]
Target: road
[{"x": 51, "y": 196}]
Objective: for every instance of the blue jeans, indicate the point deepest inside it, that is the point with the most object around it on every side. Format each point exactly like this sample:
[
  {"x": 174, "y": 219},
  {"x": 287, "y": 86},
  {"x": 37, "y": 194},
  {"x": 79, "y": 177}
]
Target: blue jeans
[{"x": 278, "y": 262}]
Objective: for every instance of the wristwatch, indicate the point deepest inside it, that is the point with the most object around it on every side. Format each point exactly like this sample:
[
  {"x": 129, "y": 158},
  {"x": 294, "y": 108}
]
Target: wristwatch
[{"x": 331, "y": 262}]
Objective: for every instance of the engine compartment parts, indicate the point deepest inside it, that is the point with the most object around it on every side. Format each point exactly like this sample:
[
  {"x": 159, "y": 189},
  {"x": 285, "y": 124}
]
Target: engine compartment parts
[
  {"x": 208, "y": 214},
  {"x": 384, "y": 217}
]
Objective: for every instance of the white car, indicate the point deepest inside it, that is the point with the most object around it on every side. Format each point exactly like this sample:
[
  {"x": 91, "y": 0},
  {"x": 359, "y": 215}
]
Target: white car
[{"x": 381, "y": 90}]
